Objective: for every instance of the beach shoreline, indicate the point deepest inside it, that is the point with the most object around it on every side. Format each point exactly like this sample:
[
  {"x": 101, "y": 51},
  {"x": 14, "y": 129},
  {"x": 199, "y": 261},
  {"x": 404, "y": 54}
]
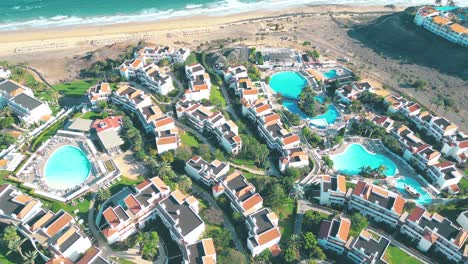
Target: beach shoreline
[{"x": 30, "y": 40}]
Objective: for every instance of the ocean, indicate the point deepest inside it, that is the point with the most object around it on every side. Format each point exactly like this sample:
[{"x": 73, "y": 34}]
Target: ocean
[{"x": 28, "y": 14}]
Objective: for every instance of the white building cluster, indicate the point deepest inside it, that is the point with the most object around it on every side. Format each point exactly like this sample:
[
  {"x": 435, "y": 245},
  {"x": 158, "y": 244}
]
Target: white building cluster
[
  {"x": 442, "y": 23},
  {"x": 58, "y": 232},
  {"x": 261, "y": 222},
  {"x": 150, "y": 115},
  {"x": 23, "y": 103},
  {"x": 144, "y": 67},
  {"x": 421, "y": 155}
]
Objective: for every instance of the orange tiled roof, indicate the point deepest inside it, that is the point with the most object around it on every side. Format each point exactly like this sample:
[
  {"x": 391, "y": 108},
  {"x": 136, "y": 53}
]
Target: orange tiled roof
[
  {"x": 460, "y": 238},
  {"x": 343, "y": 231},
  {"x": 252, "y": 201},
  {"x": 159, "y": 183},
  {"x": 268, "y": 236},
  {"x": 111, "y": 217},
  {"x": 275, "y": 250},
  {"x": 179, "y": 196},
  {"x": 29, "y": 206},
  {"x": 53, "y": 229},
  {"x": 440, "y": 20},
  {"x": 41, "y": 221},
  {"x": 291, "y": 139},
  {"x": 143, "y": 184},
  {"x": 208, "y": 247},
  {"x": 167, "y": 140},
  {"x": 132, "y": 204},
  {"x": 398, "y": 204},
  {"x": 89, "y": 255},
  {"x": 459, "y": 28},
  {"x": 341, "y": 183}
]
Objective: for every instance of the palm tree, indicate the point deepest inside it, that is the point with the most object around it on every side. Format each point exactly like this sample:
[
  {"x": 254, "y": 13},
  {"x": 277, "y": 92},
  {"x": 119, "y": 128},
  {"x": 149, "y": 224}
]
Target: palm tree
[
  {"x": 163, "y": 168},
  {"x": 438, "y": 2},
  {"x": 103, "y": 194},
  {"x": 15, "y": 246},
  {"x": 297, "y": 192},
  {"x": 365, "y": 170},
  {"x": 7, "y": 111},
  {"x": 450, "y": 3},
  {"x": 30, "y": 257},
  {"x": 381, "y": 169},
  {"x": 295, "y": 242}
]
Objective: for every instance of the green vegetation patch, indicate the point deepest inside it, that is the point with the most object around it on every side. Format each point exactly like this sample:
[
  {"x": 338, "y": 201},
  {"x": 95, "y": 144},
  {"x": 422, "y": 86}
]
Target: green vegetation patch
[
  {"x": 216, "y": 97},
  {"x": 48, "y": 133},
  {"x": 75, "y": 89},
  {"x": 396, "y": 255},
  {"x": 190, "y": 140},
  {"x": 124, "y": 182},
  {"x": 286, "y": 223}
]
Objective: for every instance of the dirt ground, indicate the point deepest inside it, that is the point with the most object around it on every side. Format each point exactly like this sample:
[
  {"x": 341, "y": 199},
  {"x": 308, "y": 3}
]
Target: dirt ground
[{"x": 336, "y": 34}]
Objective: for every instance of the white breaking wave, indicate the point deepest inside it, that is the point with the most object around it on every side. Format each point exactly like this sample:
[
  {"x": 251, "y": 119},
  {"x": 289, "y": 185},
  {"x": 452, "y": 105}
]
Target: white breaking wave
[{"x": 225, "y": 7}]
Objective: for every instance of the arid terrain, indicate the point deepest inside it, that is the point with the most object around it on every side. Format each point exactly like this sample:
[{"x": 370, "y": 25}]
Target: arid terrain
[{"x": 382, "y": 46}]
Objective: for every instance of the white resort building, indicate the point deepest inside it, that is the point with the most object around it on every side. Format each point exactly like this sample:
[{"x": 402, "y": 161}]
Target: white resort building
[
  {"x": 23, "y": 103},
  {"x": 442, "y": 24}
]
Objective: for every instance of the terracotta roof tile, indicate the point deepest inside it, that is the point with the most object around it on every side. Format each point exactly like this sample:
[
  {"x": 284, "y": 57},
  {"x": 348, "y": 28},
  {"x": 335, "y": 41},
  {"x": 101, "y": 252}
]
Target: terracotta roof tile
[
  {"x": 55, "y": 227},
  {"x": 208, "y": 247},
  {"x": 268, "y": 236},
  {"x": 252, "y": 202},
  {"x": 132, "y": 204}
]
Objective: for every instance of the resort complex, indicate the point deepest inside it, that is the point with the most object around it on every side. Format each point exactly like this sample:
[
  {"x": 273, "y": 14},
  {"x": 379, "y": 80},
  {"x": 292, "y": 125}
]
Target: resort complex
[
  {"x": 245, "y": 154},
  {"x": 445, "y": 22}
]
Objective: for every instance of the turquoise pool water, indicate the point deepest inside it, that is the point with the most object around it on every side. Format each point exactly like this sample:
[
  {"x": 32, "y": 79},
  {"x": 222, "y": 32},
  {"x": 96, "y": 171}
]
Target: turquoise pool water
[
  {"x": 424, "y": 198},
  {"x": 66, "y": 167},
  {"x": 292, "y": 107},
  {"x": 446, "y": 8},
  {"x": 331, "y": 74},
  {"x": 356, "y": 156},
  {"x": 320, "y": 98},
  {"x": 330, "y": 115},
  {"x": 289, "y": 84}
]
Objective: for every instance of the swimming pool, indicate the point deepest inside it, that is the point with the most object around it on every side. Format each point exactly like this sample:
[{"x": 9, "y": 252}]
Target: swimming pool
[
  {"x": 330, "y": 115},
  {"x": 446, "y": 8},
  {"x": 320, "y": 98},
  {"x": 331, "y": 74},
  {"x": 289, "y": 84},
  {"x": 66, "y": 167},
  {"x": 292, "y": 107},
  {"x": 356, "y": 156},
  {"x": 424, "y": 197}
]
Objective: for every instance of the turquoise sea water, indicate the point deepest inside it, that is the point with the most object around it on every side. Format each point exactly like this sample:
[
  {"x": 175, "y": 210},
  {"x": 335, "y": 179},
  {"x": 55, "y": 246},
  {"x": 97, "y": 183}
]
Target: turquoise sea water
[
  {"x": 26, "y": 14},
  {"x": 424, "y": 197},
  {"x": 289, "y": 84},
  {"x": 356, "y": 156},
  {"x": 66, "y": 167}
]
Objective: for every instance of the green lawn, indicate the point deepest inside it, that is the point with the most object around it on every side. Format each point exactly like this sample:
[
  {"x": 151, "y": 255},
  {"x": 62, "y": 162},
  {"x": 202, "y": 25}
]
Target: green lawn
[
  {"x": 190, "y": 140},
  {"x": 395, "y": 255},
  {"x": 287, "y": 219},
  {"x": 217, "y": 98},
  {"x": 124, "y": 182},
  {"x": 123, "y": 261},
  {"x": 92, "y": 115},
  {"x": 250, "y": 163},
  {"x": 75, "y": 89}
]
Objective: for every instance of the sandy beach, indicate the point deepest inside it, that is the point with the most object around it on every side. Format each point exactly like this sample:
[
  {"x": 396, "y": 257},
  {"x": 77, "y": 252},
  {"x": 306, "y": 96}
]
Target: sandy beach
[{"x": 70, "y": 49}]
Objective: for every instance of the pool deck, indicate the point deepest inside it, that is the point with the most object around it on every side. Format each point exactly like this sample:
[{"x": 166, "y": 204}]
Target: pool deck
[{"x": 375, "y": 146}]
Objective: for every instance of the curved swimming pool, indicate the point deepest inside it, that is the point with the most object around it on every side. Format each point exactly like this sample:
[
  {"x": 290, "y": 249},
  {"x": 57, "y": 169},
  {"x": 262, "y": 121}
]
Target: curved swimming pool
[
  {"x": 424, "y": 197},
  {"x": 288, "y": 83},
  {"x": 66, "y": 167},
  {"x": 356, "y": 156}
]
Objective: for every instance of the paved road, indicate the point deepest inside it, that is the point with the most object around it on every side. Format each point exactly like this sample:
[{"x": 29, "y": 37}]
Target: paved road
[
  {"x": 241, "y": 167},
  {"x": 227, "y": 223}
]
